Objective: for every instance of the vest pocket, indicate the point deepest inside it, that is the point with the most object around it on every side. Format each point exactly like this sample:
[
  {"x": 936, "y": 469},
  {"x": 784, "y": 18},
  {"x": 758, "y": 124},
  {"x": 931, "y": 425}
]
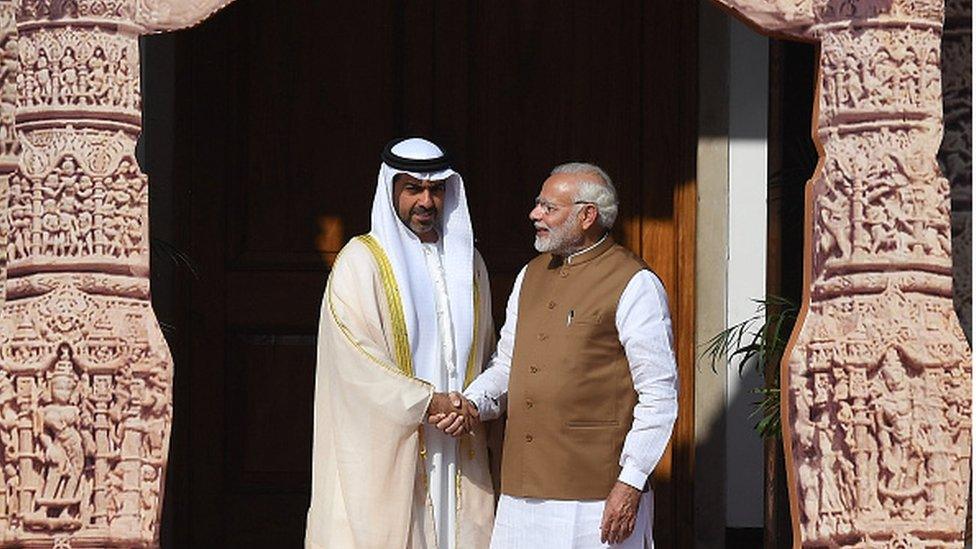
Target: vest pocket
[
  {"x": 591, "y": 457},
  {"x": 591, "y": 423}
]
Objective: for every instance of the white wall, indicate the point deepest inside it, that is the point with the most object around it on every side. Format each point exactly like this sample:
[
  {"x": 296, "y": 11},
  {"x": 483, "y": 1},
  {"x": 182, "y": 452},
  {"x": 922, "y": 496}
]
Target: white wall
[
  {"x": 746, "y": 275},
  {"x": 711, "y": 249}
]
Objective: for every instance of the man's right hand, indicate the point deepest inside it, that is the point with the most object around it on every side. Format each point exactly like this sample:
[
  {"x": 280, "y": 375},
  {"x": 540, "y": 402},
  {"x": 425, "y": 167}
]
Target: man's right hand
[
  {"x": 444, "y": 403},
  {"x": 452, "y": 413}
]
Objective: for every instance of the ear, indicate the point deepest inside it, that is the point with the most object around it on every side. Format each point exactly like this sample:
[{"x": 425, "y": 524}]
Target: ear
[{"x": 590, "y": 215}]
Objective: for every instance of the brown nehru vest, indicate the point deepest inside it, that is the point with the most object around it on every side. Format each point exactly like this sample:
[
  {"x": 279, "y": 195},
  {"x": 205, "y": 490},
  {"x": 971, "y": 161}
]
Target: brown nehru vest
[{"x": 570, "y": 395}]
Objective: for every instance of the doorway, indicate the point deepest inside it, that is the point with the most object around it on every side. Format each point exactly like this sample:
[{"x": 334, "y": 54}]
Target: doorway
[{"x": 280, "y": 110}]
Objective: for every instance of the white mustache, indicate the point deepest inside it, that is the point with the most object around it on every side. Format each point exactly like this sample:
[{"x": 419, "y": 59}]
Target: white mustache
[{"x": 541, "y": 226}]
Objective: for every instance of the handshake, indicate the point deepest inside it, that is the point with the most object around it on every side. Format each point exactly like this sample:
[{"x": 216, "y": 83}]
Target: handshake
[{"x": 453, "y": 414}]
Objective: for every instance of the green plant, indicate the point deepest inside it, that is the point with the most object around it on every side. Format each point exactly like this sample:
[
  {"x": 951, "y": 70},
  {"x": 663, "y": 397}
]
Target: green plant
[{"x": 762, "y": 337}]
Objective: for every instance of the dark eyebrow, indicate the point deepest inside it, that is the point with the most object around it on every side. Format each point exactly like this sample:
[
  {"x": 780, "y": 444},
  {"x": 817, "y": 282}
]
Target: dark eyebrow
[{"x": 432, "y": 185}]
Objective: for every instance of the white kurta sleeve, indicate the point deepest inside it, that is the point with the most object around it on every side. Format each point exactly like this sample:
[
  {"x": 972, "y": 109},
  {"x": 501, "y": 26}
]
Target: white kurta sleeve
[
  {"x": 489, "y": 391},
  {"x": 644, "y": 325}
]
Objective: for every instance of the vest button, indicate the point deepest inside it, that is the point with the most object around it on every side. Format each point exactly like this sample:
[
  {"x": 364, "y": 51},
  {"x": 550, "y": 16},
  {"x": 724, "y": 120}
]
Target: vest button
[
  {"x": 552, "y": 304},
  {"x": 542, "y": 337},
  {"x": 528, "y": 438},
  {"x": 533, "y": 369},
  {"x": 564, "y": 272},
  {"x": 528, "y": 403}
]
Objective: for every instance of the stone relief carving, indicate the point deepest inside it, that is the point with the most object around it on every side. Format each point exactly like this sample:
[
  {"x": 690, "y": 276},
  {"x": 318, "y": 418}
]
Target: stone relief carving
[
  {"x": 71, "y": 212},
  {"x": 69, "y": 67},
  {"x": 85, "y": 374},
  {"x": 878, "y": 406},
  {"x": 827, "y": 11},
  {"x": 880, "y": 203},
  {"x": 877, "y": 381}
]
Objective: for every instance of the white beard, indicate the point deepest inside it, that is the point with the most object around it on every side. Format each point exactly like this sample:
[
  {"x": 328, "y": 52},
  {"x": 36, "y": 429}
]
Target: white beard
[{"x": 562, "y": 239}]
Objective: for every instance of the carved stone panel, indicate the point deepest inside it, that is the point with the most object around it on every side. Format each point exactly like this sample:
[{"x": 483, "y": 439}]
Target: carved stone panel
[
  {"x": 877, "y": 378},
  {"x": 85, "y": 374}
]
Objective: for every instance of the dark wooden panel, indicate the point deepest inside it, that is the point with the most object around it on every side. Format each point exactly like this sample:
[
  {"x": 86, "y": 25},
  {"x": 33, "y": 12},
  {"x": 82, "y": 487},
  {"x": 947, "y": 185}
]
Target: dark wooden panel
[
  {"x": 208, "y": 95},
  {"x": 275, "y": 301},
  {"x": 550, "y": 82},
  {"x": 317, "y": 109},
  {"x": 269, "y": 412},
  {"x": 282, "y": 109}
]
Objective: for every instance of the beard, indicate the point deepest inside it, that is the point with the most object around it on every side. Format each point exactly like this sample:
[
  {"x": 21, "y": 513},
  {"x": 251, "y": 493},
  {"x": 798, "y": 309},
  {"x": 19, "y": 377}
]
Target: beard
[
  {"x": 562, "y": 239},
  {"x": 418, "y": 226}
]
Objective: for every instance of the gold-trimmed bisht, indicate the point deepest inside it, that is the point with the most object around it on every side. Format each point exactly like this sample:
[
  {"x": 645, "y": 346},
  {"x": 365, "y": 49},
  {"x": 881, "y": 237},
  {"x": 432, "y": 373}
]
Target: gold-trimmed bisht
[
  {"x": 401, "y": 341},
  {"x": 404, "y": 357}
]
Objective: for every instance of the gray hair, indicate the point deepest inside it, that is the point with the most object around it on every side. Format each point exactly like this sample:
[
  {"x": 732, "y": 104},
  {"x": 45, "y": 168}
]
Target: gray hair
[{"x": 603, "y": 195}]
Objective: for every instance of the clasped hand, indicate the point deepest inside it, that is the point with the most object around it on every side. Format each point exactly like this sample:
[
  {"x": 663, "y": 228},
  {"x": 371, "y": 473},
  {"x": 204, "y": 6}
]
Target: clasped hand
[{"x": 452, "y": 413}]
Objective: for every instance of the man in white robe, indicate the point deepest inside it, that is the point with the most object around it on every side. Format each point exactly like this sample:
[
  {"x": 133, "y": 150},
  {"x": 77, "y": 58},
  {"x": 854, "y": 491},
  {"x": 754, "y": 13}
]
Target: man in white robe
[{"x": 405, "y": 325}]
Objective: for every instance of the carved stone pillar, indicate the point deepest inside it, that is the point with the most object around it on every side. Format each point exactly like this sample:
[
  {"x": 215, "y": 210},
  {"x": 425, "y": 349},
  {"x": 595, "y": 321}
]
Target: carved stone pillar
[
  {"x": 85, "y": 374},
  {"x": 876, "y": 382}
]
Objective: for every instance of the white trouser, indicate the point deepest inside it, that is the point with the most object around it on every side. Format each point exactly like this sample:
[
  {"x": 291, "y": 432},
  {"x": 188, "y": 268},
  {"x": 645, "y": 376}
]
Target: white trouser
[{"x": 524, "y": 523}]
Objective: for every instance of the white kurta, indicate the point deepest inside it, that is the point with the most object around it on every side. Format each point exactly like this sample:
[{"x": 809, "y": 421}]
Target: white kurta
[
  {"x": 643, "y": 323},
  {"x": 441, "y": 449}
]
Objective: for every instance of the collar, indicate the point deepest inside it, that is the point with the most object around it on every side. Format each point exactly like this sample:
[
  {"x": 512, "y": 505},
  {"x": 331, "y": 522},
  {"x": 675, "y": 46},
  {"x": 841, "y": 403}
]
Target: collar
[
  {"x": 584, "y": 255},
  {"x": 569, "y": 258}
]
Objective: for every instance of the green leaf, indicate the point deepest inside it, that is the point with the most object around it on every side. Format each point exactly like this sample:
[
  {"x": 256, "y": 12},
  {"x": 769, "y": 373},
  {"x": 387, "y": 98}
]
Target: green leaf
[{"x": 763, "y": 336}]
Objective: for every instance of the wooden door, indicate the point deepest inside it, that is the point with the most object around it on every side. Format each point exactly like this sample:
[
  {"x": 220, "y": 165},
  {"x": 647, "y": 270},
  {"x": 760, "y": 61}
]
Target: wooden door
[{"x": 282, "y": 109}]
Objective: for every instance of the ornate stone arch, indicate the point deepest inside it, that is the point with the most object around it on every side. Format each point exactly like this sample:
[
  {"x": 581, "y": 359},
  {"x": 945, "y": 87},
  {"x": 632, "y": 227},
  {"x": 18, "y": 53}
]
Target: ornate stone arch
[{"x": 878, "y": 361}]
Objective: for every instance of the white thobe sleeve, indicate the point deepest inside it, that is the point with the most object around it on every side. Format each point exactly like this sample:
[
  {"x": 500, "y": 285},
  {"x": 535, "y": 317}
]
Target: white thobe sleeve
[
  {"x": 644, "y": 325},
  {"x": 489, "y": 391}
]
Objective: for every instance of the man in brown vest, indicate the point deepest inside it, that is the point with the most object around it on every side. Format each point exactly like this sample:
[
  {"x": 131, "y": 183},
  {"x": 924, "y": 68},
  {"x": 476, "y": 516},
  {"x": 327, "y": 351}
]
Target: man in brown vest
[{"x": 586, "y": 370}]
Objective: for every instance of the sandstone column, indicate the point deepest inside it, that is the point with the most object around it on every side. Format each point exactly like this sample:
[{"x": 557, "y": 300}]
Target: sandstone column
[
  {"x": 876, "y": 382},
  {"x": 85, "y": 374}
]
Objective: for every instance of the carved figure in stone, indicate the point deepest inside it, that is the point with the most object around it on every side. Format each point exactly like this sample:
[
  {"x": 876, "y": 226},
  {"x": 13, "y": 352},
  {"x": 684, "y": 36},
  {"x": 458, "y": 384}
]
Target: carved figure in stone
[
  {"x": 11, "y": 486},
  {"x": 61, "y": 440},
  {"x": 830, "y": 505},
  {"x": 69, "y": 77},
  {"x": 834, "y": 216},
  {"x": 19, "y": 212},
  {"x": 894, "y": 423},
  {"x": 811, "y": 496},
  {"x": 937, "y": 450},
  {"x": 43, "y": 90},
  {"x": 149, "y": 495},
  {"x": 98, "y": 78}
]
